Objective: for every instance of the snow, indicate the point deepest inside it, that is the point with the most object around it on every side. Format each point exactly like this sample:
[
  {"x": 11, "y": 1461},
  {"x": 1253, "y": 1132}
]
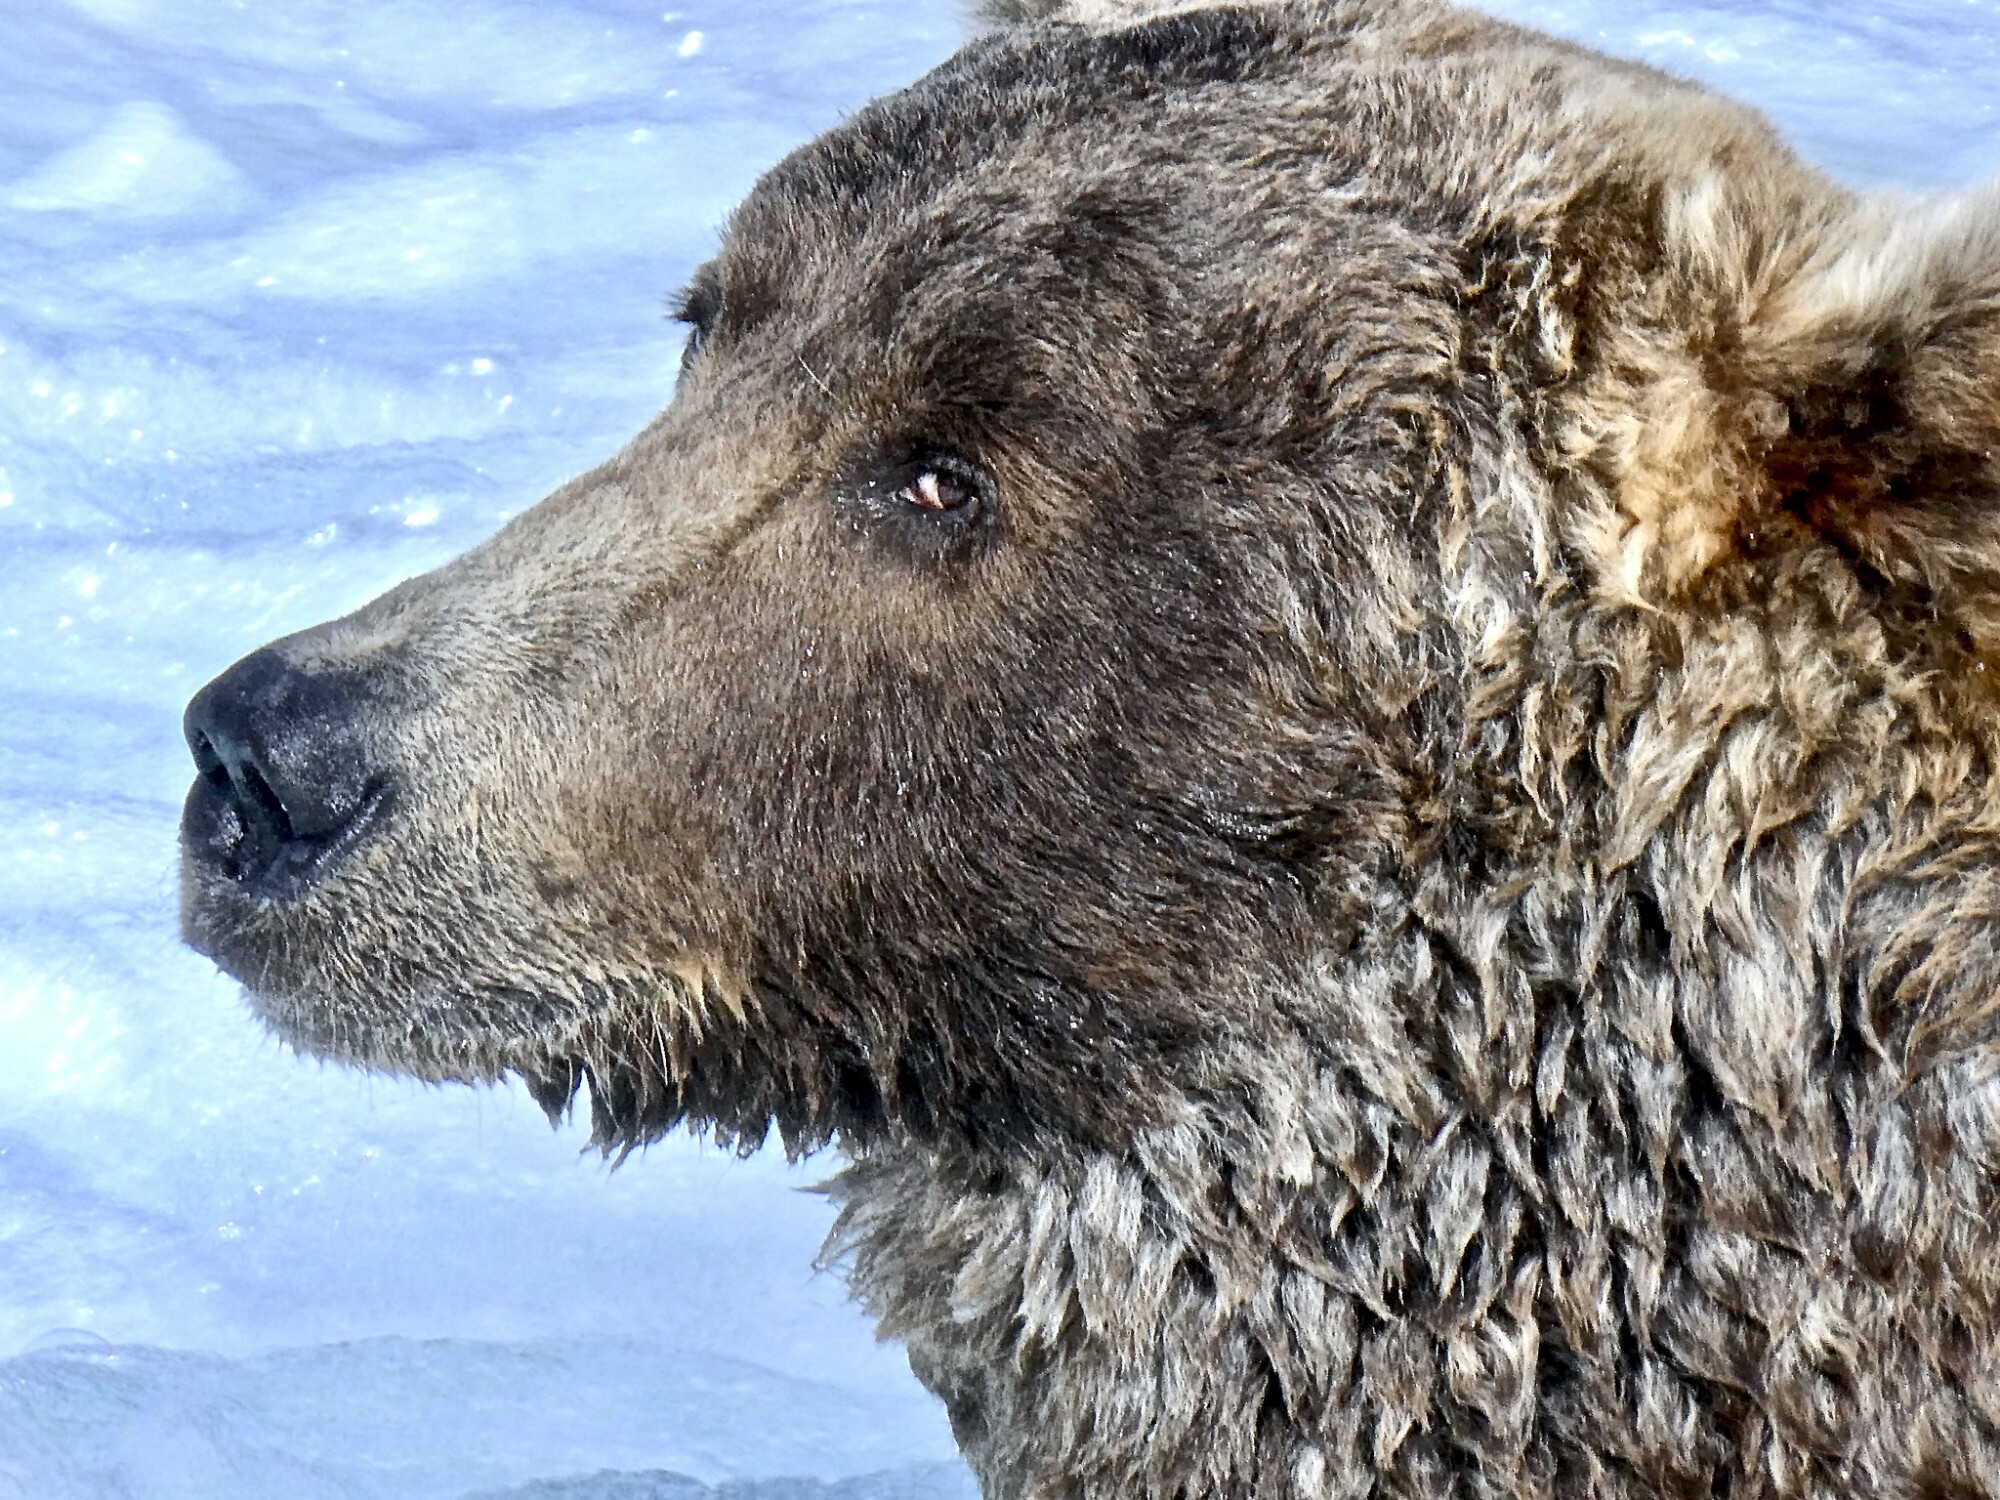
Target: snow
[
  {"x": 362, "y": 1419},
  {"x": 295, "y": 301}
]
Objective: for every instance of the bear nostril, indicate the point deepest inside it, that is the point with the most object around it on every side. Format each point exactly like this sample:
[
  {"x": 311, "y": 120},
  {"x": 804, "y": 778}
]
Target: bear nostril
[
  {"x": 207, "y": 764},
  {"x": 252, "y": 789},
  {"x": 285, "y": 785}
]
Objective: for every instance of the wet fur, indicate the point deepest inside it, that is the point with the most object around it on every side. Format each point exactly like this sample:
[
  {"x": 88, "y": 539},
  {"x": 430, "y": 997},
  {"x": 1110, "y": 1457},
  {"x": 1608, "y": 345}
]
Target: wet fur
[{"x": 1424, "y": 920}]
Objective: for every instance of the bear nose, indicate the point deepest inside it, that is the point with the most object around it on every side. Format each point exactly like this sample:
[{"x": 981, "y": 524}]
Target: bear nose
[{"x": 286, "y": 785}]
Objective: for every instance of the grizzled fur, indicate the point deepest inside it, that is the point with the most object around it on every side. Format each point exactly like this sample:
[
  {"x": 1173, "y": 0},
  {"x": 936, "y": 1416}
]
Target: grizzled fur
[{"x": 1412, "y": 908}]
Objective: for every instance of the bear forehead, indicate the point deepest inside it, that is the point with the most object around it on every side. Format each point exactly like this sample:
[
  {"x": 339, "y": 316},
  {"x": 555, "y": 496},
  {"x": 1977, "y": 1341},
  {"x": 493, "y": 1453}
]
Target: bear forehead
[
  {"x": 1201, "y": 126},
  {"x": 1044, "y": 114}
]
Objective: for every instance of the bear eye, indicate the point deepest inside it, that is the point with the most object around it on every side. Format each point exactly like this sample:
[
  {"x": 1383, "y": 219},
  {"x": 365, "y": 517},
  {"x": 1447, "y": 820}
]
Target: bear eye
[
  {"x": 939, "y": 491},
  {"x": 930, "y": 505}
]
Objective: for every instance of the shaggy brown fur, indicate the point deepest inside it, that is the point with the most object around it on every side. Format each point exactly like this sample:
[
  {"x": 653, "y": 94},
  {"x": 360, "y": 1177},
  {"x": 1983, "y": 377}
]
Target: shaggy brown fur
[{"x": 1320, "y": 675}]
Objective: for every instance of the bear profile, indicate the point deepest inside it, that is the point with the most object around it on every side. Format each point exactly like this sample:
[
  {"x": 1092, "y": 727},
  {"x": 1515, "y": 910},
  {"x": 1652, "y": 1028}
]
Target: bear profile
[{"x": 1320, "y": 676}]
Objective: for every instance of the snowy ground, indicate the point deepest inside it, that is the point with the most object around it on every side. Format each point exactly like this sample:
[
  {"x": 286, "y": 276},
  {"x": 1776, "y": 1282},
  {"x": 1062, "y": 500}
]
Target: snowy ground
[{"x": 295, "y": 300}]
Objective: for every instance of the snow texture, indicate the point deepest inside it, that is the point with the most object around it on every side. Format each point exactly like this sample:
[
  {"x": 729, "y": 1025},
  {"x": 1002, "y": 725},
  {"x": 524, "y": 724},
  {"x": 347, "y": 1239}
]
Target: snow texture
[{"x": 297, "y": 300}]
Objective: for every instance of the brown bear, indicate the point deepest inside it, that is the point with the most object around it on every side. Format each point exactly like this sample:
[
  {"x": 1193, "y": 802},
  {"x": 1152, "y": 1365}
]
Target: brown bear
[{"x": 1321, "y": 676}]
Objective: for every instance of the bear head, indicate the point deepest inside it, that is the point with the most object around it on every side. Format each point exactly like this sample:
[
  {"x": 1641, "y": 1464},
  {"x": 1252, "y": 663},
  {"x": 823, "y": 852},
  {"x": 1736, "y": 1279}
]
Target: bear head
[{"x": 1153, "y": 513}]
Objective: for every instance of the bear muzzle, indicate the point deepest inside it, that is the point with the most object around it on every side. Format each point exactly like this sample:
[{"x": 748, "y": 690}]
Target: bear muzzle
[{"x": 286, "y": 788}]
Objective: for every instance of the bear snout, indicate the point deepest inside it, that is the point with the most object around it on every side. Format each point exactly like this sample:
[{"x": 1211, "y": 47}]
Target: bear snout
[{"x": 285, "y": 786}]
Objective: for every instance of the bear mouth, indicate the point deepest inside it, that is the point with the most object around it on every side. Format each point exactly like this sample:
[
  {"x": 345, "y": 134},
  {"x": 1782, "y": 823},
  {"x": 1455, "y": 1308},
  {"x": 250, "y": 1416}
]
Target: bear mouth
[{"x": 236, "y": 829}]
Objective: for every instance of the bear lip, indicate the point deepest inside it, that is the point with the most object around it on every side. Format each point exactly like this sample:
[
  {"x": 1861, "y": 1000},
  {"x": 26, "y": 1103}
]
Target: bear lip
[{"x": 281, "y": 870}]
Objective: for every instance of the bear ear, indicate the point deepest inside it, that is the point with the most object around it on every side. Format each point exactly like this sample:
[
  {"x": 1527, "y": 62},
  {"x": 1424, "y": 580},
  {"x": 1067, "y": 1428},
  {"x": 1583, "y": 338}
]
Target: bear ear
[
  {"x": 1001, "y": 13},
  {"x": 1839, "y": 381},
  {"x": 997, "y": 15},
  {"x": 1877, "y": 369}
]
